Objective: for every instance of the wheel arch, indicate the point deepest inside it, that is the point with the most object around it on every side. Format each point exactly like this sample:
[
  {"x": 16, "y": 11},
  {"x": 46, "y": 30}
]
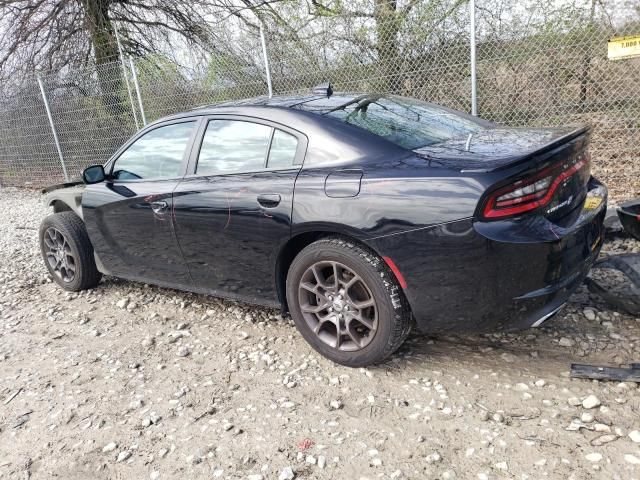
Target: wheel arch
[
  {"x": 66, "y": 200},
  {"x": 296, "y": 244},
  {"x": 59, "y": 206}
]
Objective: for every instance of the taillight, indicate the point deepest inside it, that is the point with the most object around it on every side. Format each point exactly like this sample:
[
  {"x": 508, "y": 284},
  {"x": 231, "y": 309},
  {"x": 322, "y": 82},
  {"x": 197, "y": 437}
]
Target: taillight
[{"x": 532, "y": 192}]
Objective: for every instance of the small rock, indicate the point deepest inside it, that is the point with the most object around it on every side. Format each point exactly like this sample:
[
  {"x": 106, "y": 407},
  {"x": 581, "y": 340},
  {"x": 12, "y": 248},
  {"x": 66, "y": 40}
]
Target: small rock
[
  {"x": 310, "y": 460},
  {"x": 602, "y": 439},
  {"x": 589, "y": 314},
  {"x": 433, "y": 458},
  {"x": 632, "y": 459},
  {"x": 122, "y": 303},
  {"x": 322, "y": 461},
  {"x": 521, "y": 387},
  {"x": 601, "y": 427},
  {"x": 335, "y": 404},
  {"x": 155, "y": 475},
  {"x": 593, "y": 457},
  {"x": 566, "y": 342},
  {"x": 591, "y": 402},
  {"x": 123, "y": 455},
  {"x": 376, "y": 462},
  {"x": 634, "y": 435},
  {"x": 574, "y": 401},
  {"x": 183, "y": 351},
  {"x": 109, "y": 447},
  {"x": 540, "y": 383},
  {"x": 255, "y": 476},
  {"x": 587, "y": 417},
  {"x": 502, "y": 466},
  {"x": 287, "y": 474}
]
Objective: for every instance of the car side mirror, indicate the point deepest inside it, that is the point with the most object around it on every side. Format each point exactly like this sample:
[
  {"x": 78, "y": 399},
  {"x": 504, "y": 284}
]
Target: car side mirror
[{"x": 93, "y": 174}]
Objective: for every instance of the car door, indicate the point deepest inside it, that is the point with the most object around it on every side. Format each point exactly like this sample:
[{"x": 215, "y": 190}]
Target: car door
[
  {"x": 128, "y": 216},
  {"x": 233, "y": 211}
]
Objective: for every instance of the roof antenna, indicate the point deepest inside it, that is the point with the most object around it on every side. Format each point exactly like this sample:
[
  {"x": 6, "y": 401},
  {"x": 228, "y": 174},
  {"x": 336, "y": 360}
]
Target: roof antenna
[{"x": 323, "y": 89}]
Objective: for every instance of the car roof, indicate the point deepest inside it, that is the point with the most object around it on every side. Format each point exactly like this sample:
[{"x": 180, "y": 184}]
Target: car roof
[
  {"x": 313, "y": 103},
  {"x": 309, "y": 102}
]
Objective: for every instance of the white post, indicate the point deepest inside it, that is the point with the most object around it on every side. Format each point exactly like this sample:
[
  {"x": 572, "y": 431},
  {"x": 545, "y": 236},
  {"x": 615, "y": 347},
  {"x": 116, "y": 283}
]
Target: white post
[
  {"x": 266, "y": 59},
  {"x": 53, "y": 129},
  {"x": 126, "y": 77},
  {"x": 135, "y": 83},
  {"x": 474, "y": 85}
]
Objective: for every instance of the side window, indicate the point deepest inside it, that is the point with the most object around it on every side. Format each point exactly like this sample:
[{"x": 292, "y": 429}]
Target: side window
[
  {"x": 283, "y": 150},
  {"x": 157, "y": 154},
  {"x": 230, "y": 146}
]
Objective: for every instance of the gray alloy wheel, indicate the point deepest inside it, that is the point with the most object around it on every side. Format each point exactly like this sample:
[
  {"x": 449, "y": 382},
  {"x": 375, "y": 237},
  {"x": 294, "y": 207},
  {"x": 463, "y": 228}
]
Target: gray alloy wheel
[
  {"x": 338, "y": 306},
  {"x": 67, "y": 252},
  {"x": 59, "y": 255},
  {"x": 346, "y": 302}
]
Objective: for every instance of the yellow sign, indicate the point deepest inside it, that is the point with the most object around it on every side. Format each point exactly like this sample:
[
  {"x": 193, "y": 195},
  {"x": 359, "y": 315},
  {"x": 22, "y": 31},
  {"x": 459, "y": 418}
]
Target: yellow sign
[
  {"x": 591, "y": 203},
  {"x": 624, "y": 47}
]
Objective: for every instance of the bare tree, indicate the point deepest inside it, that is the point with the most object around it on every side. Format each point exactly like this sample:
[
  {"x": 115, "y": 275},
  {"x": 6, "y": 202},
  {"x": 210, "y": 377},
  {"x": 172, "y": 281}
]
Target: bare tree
[{"x": 52, "y": 34}]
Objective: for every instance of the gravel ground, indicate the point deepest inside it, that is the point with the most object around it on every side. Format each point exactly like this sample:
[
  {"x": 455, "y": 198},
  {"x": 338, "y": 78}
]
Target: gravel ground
[{"x": 133, "y": 381}]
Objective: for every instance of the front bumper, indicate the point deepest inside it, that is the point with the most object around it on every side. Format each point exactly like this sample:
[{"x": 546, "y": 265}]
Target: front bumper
[{"x": 487, "y": 276}]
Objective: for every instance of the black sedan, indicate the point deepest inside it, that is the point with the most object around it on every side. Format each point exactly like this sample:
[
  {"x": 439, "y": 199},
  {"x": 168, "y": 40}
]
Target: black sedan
[{"x": 362, "y": 215}]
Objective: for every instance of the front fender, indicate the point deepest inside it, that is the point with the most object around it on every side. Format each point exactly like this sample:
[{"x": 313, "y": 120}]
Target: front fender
[{"x": 66, "y": 199}]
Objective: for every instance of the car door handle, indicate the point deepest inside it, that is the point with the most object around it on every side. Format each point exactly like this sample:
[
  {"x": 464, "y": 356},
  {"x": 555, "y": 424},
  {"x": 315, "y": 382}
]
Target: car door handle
[
  {"x": 159, "y": 207},
  {"x": 269, "y": 200}
]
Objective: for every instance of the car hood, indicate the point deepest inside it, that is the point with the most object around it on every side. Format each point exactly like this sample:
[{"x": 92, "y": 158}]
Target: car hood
[
  {"x": 497, "y": 148},
  {"x": 60, "y": 186}
]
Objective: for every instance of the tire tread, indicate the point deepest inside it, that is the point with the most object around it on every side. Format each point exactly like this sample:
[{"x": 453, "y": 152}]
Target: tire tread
[
  {"x": 75, "y": 231},
  {"x": 402, "y": 321}
]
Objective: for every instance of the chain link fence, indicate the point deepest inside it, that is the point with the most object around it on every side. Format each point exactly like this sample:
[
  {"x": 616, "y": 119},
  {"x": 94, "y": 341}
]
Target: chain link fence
[{"x": 534, "y": 67}]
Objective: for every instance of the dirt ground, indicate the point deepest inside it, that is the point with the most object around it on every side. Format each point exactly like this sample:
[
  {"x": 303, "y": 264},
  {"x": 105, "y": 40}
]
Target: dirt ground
[{"x": 130, "y": 381}]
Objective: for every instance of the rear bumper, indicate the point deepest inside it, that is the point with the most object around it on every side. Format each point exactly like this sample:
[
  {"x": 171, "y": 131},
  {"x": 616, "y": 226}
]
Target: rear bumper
[{"x": 507, "y": 275}]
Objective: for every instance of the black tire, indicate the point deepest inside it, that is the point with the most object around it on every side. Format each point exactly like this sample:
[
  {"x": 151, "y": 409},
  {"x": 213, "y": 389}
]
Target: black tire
[
  {"x": 393, "y": 317},
  {"x": 79, "y": 250}
]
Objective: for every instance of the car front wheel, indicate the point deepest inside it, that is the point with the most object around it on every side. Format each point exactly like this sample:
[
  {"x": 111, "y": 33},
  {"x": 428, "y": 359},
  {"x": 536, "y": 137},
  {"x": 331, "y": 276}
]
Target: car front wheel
[
  {"x": 346, "y": 302},
  {"x": 67, "y": 252}
]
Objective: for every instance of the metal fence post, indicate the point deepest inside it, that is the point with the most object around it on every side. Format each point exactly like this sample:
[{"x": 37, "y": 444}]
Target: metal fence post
[
  {"x": 135, "y": 83},
  {"x": 474, "y": 85},
  {"x": 266, "y": 59},
  {"x": 53, "y": 129},
  {"x": 126, "y": 77}
]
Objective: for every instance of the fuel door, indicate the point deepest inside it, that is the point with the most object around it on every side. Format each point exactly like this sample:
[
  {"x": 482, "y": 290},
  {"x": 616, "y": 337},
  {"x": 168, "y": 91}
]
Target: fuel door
[{"x": 343, "y": 183}]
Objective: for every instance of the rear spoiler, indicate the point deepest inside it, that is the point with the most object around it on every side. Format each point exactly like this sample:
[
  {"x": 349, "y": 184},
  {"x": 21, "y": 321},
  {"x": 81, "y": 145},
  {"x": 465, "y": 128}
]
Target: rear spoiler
[
  {"x": 538, "y": 151},
  {"x": 550, "y": 146},
  {"x": 59, "y": 186}
]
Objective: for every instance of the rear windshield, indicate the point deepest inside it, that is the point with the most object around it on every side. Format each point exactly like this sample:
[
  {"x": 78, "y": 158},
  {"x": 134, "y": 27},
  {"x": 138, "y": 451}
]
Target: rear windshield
[{"x": 407, "y": 122}]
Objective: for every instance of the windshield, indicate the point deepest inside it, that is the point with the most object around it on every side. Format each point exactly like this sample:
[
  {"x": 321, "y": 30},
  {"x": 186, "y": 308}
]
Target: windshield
[{"x": 407, "y": 122}]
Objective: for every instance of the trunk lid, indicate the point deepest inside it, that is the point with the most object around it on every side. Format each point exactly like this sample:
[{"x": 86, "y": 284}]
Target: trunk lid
[
  {"x": 541, "y": 170},
  {"x": 501, "y": 147}
]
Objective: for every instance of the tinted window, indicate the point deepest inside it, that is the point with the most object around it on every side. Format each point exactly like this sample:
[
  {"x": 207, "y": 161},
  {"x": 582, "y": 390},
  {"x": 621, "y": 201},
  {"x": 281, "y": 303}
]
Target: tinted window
[
  {"x": 283, "y": 150},
  {"x": 157, "y": 154},
  {"x": 233, "y": 146},
  {"x": 406, "y": 122}
]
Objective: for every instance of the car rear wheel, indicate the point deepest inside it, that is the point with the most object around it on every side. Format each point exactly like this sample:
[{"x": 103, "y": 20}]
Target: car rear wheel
[
  {"x": 346, "y": 302},
  {"x": 67, "y": 252}
]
